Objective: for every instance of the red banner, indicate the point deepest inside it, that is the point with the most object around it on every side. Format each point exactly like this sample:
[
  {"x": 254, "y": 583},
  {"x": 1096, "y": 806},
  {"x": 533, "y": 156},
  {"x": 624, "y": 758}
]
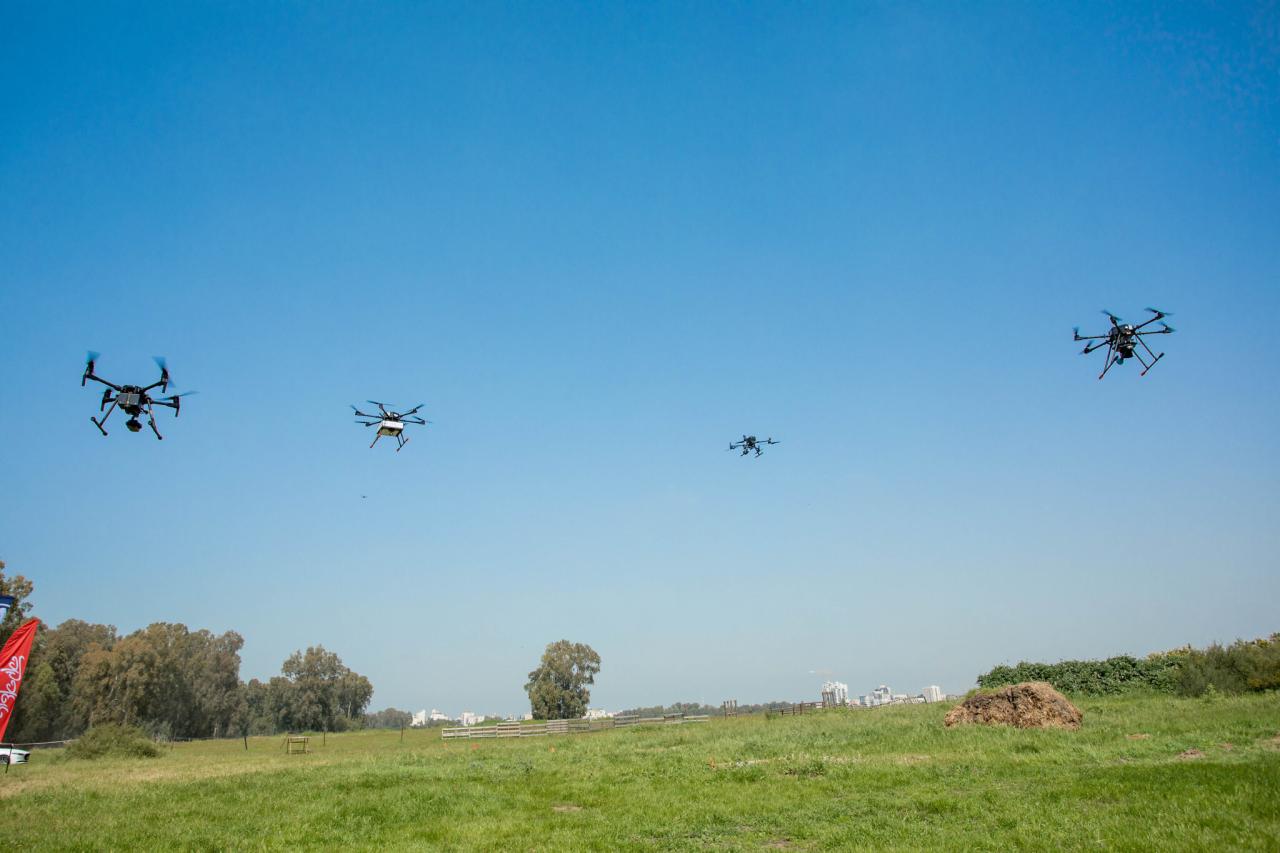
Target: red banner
[{"x": 13, "y": 663}]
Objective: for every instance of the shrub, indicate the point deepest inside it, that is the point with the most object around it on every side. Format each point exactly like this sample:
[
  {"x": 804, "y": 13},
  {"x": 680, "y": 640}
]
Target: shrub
[
  {"x": 112, "y": 740},
  {"x": 1245, "y": 665},
  {"x": 1091, "y": 677}
]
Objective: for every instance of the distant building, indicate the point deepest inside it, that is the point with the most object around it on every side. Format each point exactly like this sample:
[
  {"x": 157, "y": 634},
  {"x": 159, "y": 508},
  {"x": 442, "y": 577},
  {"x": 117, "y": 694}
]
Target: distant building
[
  {"x": 838, "y": 691},
  {"x": 419, "y": 719},
  {"x": 470, "y": 719},
  {"x": 882, "y": 695},
  {"x": 437, "y": 717},
  {"x": 933, "y": 693},
  {"x": 598, "y": 714}
]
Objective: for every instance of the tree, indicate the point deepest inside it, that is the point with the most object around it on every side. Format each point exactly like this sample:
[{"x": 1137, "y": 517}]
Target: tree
[
  {"x": 51, "y": 712},
  {"x": 558, "y": 687},
  {"x": 390, "y": 718},
  {"x": 164, "y": 678},
  {"x": 317, "y": 692},
  {"x": 20, "y": 588}
]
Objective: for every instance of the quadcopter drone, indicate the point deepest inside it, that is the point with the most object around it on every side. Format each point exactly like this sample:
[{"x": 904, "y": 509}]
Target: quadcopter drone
[
  {"x": 750, "y": 443},
  {"x": 390, "y": 423},
  {"x": 1122, "y": 338},
  {"x": 133, "y": 400}
]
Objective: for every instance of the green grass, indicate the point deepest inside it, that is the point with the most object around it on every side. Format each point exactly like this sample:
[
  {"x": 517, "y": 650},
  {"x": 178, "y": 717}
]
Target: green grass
[{"x": 887, "y": 778}]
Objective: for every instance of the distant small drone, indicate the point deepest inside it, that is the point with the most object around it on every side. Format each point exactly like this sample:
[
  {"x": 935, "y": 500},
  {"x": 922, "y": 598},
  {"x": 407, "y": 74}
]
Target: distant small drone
[
  {"x": 1122, "y": 339},
  {"x": 133, "y": 400},
  {"x": 390, "y": 423},
  {"x": 750, "y": 443}
]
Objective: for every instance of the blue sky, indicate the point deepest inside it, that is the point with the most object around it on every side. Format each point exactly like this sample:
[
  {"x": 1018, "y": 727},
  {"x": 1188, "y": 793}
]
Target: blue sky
[{"x": 600, "y": 241}]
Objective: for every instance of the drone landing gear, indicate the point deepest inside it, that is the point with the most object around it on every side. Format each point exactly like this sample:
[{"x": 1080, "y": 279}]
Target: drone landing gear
[
  {"x": 1112, "y": 358},
  {"x": 1154, "y": 357},
  {"x": 99, "y": 423},
  {"x": 401, "y": 441}
]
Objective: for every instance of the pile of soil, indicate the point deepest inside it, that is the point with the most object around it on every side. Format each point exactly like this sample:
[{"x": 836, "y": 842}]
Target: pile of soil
[{"x": 1030, "y": 705}]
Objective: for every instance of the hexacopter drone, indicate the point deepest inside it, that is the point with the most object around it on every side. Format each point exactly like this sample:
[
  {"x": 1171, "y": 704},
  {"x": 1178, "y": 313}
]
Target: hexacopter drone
[
  {"x": 1122, "y": 338},
  {"x": 133, "y": 400},
  {"x": 750, "y": 443},
  {"x": 390, "y": 423}
]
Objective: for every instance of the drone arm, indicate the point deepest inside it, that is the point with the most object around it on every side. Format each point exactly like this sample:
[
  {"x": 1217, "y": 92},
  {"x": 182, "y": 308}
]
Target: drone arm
[
  {"x": 419, "y": 421},
  {"x": 1165, "y": 331},
  {"x": 1148, "y": 322},
  {"x": 96, "y": 378},
  {"x": 1088, "y": 348}
]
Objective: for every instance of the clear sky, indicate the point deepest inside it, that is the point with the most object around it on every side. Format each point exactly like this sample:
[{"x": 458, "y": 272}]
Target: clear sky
[{"x": 599, "y": 242}]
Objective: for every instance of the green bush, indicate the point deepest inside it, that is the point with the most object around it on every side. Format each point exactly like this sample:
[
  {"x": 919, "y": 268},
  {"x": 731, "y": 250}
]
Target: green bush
[
  {"x": 1243, "y": 666},
  {"x": 1092, "y": 677},
  {"x": 112, "y": 740}
]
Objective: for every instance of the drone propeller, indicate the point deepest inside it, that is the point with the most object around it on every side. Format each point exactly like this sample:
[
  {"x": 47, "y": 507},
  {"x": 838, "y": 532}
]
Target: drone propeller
[
  {"x": 89, "y": 359},
  {"x": 1113, "y": 317},
  {"x": 1161, "y": 313},
  {"x": 164, "y": 370},
  {"x": 1167, "y": 327}
]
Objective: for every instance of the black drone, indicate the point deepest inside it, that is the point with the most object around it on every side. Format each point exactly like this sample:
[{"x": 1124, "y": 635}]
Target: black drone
[
  {"x": 750, "y": 443},
  {"x": 133, "y": 400},
  {"x": 1122, "y": 339},
  {"x": 390, "y": 423}
]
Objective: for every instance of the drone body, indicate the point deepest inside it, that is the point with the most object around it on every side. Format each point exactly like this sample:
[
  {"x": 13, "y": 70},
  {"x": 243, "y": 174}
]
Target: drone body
[
  {"x": 1123, "y": 339},
  {"x": 390, "y": 424},
  {"x": 134, "y": 400},
  {"x": 750, "y": 443}
]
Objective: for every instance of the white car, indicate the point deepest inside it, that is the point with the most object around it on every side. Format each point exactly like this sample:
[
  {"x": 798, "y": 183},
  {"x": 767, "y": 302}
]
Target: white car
[{"x": 9, "y": 755}]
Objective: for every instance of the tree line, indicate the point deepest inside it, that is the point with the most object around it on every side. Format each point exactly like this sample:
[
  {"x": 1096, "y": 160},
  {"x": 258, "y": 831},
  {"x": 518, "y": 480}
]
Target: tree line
[
  {"x": 1241, "y": 667},
  {"x": 170, "y": 681}
]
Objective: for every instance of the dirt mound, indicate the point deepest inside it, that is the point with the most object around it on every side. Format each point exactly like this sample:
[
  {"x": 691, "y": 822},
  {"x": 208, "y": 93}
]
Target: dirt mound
[{"x": 1030, "y": 705}]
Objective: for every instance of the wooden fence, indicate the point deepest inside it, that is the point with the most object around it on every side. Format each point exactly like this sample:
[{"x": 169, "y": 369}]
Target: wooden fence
[{"x": 564, "y": 727}]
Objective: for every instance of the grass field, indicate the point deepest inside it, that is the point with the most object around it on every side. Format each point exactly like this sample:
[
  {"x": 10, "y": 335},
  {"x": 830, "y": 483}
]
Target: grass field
[{"x": 885, "y": 778}]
